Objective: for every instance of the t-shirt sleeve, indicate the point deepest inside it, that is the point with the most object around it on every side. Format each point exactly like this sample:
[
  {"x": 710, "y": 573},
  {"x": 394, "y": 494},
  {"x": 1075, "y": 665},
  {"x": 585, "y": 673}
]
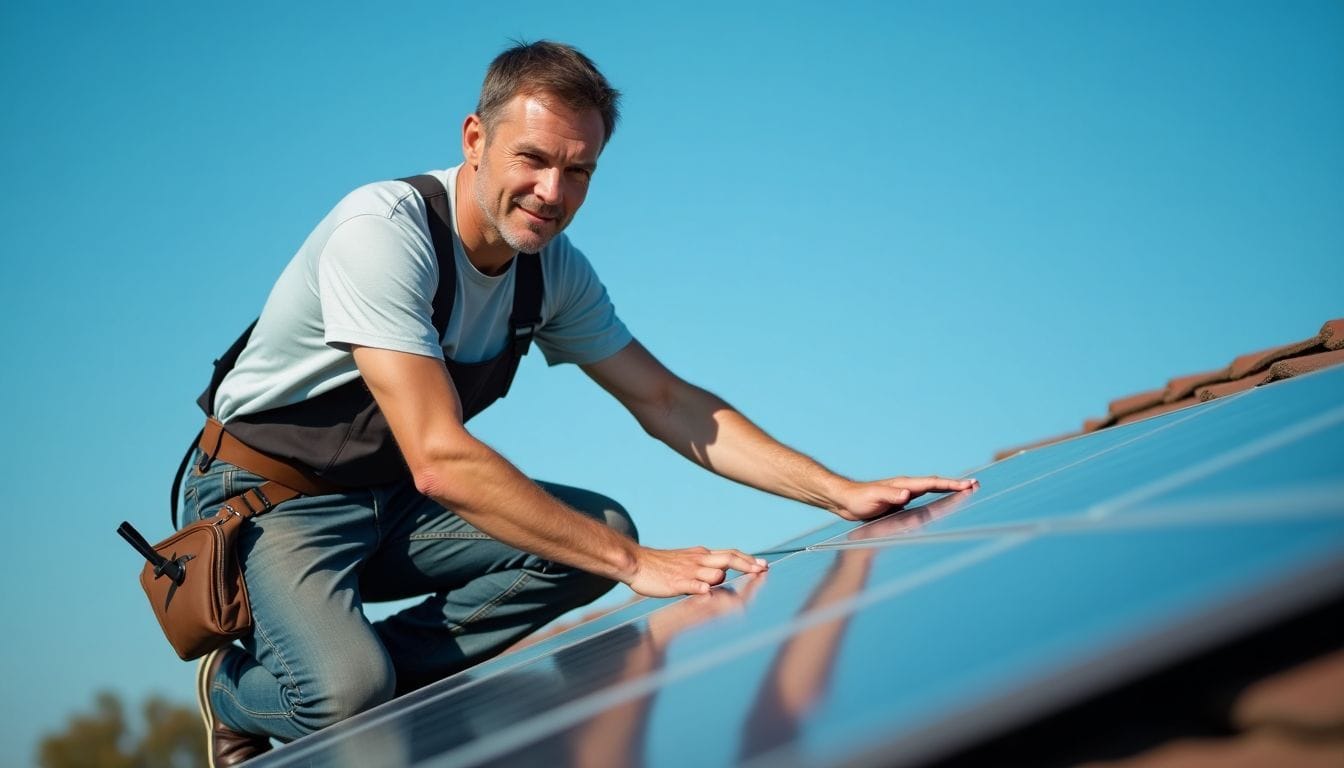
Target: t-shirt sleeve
[
  {"x": 376, "y": 281},
  {"x": 584, "y": 327}
]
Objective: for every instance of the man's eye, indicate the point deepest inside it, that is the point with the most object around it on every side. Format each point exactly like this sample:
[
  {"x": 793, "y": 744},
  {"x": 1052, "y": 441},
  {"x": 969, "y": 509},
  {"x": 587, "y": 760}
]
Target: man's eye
[{"x": 531, "y": 158}]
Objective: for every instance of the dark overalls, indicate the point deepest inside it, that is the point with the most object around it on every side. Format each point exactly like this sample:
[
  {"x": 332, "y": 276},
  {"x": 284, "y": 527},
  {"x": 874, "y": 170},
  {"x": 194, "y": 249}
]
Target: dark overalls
[{"x": 313, "y": 658}]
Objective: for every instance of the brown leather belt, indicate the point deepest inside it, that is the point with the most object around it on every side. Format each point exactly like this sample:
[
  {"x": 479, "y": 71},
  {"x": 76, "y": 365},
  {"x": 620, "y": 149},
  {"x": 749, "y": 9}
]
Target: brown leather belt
[{"x": 217, "y": 443}]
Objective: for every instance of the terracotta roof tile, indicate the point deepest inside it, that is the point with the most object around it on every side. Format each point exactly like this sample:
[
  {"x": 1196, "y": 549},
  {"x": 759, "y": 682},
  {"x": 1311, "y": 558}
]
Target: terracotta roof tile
[
  {"x": 1142, "y": 401},
  {"x": 1092, "y": 425},
  {"x": 1205, "y": 394},
  {"x": 1258, "y": 361},
  {"x": 1182, "y": 387},
  {"x": 1324, "y": 349},
  {"x": 1332, "y": 334},
  {"x": 1297, "y": 366}
]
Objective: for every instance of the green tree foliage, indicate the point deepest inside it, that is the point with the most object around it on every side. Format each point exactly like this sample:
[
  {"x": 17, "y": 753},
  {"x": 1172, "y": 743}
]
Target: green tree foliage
[{"x": 172, "y": 737}]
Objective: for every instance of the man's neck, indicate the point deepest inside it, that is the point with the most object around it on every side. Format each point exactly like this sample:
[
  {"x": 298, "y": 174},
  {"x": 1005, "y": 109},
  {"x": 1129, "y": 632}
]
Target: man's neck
[{"x": 490, "y": 258}]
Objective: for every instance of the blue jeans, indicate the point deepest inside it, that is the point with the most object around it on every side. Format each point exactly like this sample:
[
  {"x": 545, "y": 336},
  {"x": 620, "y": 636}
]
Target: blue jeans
[{"x": 313, "y": 659}]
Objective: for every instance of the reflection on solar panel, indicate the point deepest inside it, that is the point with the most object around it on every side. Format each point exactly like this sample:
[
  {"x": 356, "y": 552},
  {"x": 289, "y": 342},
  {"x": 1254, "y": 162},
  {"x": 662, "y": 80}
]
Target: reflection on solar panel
[{"x": 1076, "y": 567}]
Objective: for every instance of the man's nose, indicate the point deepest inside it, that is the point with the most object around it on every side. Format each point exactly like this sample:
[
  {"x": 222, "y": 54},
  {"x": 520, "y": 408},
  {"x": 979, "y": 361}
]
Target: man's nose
[{"x": 548, "y": 186}]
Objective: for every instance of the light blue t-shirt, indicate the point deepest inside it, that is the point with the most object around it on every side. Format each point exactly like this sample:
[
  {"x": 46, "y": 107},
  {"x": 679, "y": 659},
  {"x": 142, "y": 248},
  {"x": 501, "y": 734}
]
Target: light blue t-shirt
[{"x": 367, "y": 276}]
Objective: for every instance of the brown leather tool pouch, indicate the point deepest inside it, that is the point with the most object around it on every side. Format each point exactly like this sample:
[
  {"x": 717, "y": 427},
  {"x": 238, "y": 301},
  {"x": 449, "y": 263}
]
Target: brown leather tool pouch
[
  {"x": 203, "y": 603},
  {"x": 193, "y": 578}
]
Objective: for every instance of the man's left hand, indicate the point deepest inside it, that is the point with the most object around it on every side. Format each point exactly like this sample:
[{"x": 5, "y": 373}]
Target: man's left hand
[{"x": 862, "y": 501}]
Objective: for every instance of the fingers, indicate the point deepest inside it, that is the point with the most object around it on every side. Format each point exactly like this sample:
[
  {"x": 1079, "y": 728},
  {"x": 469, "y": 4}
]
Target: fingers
[
  {"x": 690, "y": 571},
  {"x": 731, "y": 598},
  {"x": 714, "y": 565},
  {"x": 735, "y": 559},
  {"x": 922, "y": 485},
  {"x": 711, "y": 576},
  {"x": 692, "y": 587}
]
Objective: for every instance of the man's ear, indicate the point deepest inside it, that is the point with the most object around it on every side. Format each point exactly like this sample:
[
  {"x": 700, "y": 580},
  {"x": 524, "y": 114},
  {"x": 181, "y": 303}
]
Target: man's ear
[{"x": 473, "y": 140}]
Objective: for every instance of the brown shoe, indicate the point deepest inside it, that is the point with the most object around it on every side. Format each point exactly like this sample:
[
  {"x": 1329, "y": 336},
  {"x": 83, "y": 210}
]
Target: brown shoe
[{"x": 225, "y": 746}]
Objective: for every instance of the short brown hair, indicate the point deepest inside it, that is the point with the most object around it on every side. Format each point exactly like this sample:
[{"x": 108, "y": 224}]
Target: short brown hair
[{"x": 545, "y": 68}]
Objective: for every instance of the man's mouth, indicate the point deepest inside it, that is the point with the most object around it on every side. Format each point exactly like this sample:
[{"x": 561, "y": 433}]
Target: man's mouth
[{"x": 533, "y": 215}]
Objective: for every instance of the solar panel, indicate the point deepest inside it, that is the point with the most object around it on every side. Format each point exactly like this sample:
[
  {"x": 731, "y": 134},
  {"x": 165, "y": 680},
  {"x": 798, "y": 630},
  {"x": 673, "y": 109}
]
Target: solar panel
[{"x": 1075, "y": 567}]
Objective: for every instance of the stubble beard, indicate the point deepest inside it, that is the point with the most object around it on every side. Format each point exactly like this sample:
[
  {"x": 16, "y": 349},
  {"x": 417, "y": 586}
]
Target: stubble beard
[{"x": 532, "y": 241}]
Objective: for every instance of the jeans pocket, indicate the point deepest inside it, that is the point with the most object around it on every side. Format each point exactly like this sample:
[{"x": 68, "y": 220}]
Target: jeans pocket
[{"x": 206, "y": 491}]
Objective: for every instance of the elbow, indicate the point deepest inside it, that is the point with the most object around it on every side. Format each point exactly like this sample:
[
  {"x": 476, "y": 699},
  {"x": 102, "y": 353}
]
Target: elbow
[
  {"x": 438, "y": 469},
  {"x": 648, "y": 423},
  {"x": 677, "y": 407},
  {"x": 429, "y": 481},
  {"x": 657, "y": 412}
]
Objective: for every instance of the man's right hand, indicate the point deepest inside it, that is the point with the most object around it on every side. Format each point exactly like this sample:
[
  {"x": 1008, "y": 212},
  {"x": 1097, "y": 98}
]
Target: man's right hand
[{"x": 690, "y": 571}]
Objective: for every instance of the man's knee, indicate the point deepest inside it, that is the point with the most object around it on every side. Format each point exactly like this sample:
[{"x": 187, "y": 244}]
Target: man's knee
[
  {"x": 582, "y": 587},
  {"x": 618, "y": 519},
  {"x": 343, "y": 692},
  {"x": 604, "y": 509},
  {"x": 608, "y": 511}
]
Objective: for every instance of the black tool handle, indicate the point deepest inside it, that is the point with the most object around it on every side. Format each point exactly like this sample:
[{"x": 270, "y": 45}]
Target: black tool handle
[
  {"x": 162, "y": 566},
  {"x": 134, "y": 538}
]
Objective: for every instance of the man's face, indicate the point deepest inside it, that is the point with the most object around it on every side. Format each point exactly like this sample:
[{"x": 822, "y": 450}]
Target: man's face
[{"x": 532, "y": 169}]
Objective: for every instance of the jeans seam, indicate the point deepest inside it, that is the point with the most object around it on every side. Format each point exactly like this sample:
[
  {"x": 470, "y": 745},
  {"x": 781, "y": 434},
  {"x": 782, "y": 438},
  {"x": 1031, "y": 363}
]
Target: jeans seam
[
  {"x": 427, "y": 535},
  {"x": 275, "y": 649},
  {"x": 254, "y": 713},
  {"x": 488, "y": 608},
  {"x": 191, "y": 501}
]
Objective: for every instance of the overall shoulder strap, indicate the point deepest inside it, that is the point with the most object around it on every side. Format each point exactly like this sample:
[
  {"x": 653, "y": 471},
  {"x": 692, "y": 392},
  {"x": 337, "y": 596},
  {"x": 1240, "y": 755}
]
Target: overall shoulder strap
[
  {"x": 528, "y": 288},
  {"x": 432, "y": 191}
]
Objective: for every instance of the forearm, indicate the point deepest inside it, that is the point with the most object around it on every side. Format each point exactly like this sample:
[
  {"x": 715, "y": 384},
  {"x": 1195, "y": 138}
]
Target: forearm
[
  {"x": 494, "y": 496},
  {"x": 702, "y": 427}
]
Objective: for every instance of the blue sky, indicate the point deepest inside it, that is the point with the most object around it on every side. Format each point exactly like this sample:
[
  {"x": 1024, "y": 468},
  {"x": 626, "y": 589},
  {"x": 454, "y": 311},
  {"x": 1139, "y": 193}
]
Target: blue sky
[{"x": 900, "y": 236}]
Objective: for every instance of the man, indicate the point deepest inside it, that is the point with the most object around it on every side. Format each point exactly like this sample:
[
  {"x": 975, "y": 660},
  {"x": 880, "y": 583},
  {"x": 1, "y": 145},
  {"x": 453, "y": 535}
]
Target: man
[{"x": 357, "y": 312}]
